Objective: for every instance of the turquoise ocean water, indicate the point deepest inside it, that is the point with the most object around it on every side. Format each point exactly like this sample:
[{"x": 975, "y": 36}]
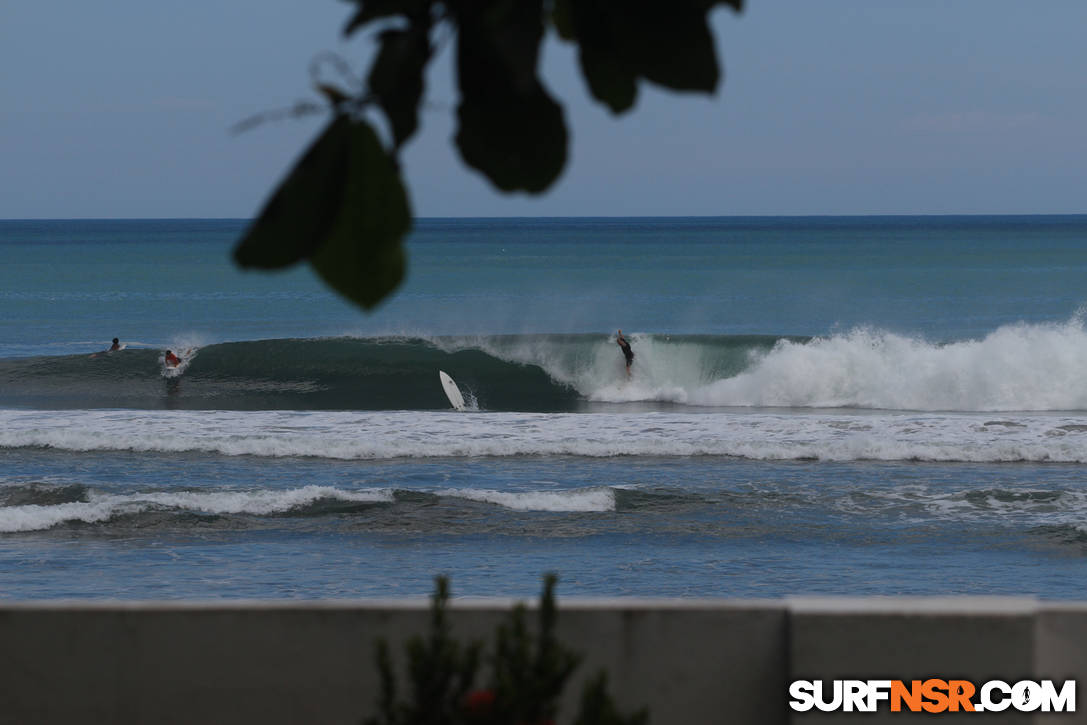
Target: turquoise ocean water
[{"x": 876, "y": 405}]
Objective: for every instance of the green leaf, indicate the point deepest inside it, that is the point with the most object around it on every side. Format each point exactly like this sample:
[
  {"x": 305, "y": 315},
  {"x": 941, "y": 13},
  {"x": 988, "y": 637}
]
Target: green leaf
[
  {"x": 562, "y": 18},
  {"x": 598, "y": 27},
  {"x": 519, "y": 142},
  {"x": 362, "y": 258},
  {"x": 396, "y": 79},
  {"x": 498, "y": 45},
  {"x": 683, "y": 56},
  {"x": 609, "y": 80},
  {"x": 344, "y": 208},
  {"x": 298, "y": 217},
  {"x": 509, "y": 126},
  {"x": 670, "y": 45}
]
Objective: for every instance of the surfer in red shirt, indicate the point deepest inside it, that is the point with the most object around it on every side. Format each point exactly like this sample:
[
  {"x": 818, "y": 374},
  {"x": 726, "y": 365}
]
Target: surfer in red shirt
[{"x": 171, "y": 359}]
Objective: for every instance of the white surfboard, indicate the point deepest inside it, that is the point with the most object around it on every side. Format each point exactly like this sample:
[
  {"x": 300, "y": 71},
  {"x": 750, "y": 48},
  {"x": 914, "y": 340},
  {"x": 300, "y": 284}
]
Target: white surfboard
[{"x": 451, "y": 391}]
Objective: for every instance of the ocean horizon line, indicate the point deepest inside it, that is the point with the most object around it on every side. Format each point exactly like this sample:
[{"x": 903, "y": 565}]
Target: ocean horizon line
[{"x": 793, "y": 216}]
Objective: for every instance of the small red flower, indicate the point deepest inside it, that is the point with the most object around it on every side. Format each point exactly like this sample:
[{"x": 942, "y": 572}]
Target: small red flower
[{"x": 478, "y": 702}]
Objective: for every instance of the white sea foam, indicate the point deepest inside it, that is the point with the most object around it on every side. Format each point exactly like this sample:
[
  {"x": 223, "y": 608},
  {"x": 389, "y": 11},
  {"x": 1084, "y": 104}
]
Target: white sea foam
[
  {"x": 101, "y": 507},
  {"x": 262, "y": 502},
  {"x": 186, "y": 349},
  {"x": 36, "y": 518},
  {"x": 1015, "y": 368},
  {"x": 593, "y": 499},
  {"x": 382, "y": 435},
  {"x": 1020, "y": 367}
]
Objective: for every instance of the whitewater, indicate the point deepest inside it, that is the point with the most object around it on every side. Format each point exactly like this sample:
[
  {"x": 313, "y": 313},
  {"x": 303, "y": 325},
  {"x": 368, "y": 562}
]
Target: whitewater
[
  {"x": 1018, "y": 367},
  {"x": 369, "y": 436}
]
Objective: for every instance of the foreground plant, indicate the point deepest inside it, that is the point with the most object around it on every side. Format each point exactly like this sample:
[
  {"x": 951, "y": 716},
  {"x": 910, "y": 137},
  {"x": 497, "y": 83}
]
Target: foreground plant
[
  {"x": 528, "y": 672},
  {"x": 344, "y": 207}
]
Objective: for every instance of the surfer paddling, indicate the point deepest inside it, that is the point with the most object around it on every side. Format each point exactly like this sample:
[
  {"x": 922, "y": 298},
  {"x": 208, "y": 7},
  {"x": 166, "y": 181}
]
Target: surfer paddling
[
  {"x": 171, "y": 359},
  {"x": 112, "y": 348},
  {"x": 625, "y": 347}
]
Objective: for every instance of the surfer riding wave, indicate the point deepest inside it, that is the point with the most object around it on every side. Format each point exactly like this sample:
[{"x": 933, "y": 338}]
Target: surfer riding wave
[{"x": 625, "y": 347}]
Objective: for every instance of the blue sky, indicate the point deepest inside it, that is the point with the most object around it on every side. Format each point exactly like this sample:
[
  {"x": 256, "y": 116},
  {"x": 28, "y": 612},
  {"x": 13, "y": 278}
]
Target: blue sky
[{"x": 123, "y": 109}]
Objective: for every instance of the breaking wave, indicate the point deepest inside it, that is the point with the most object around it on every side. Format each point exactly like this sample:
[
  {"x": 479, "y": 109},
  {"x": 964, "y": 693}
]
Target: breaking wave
[
  {"x": 1022, "y": 367},
  {"x": 36, "y": 507}
]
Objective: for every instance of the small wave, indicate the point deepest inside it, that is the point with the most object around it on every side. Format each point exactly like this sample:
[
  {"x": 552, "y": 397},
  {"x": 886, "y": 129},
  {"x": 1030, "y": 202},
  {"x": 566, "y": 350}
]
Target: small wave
[
  {"x": 170, "y": 507},
  {"x": 1070, "y": 533},
  {"x": 41, "y": 494},
  {"x": 597, "y": 499},
  {"x": 36, "y": 517},
  {"x": 103, "y": 507},
  {"x": 260, "y": 503}
]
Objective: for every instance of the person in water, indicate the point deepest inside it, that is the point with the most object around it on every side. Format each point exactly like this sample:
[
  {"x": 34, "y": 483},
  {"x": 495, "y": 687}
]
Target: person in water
[
  {"x": 112, "y": 348},
  {"x": 625, "y": 347},
  {"x": 171, "y": 359}
]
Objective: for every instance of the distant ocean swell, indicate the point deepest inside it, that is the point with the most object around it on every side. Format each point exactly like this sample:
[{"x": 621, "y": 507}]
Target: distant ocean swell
[
  {"x": 1021, "y": 367},
  {"x": 810, "y": 435}
]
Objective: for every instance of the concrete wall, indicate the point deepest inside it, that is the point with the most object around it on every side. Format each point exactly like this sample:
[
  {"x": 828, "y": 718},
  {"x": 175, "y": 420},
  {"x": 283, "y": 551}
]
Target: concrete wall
[{"x": 689, "y": 661}]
